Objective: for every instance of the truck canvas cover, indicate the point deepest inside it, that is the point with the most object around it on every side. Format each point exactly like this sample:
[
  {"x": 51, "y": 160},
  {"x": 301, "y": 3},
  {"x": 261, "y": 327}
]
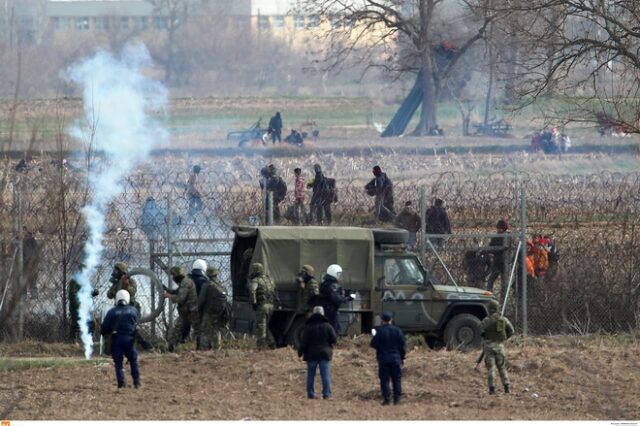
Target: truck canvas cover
[{"x": 283, "y": 250}]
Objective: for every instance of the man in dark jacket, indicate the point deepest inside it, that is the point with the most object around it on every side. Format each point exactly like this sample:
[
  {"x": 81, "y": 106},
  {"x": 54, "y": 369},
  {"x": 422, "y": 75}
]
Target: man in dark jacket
[
  {"x": 120, "y": 324},
  {"x": 275, "y": 128},
  {"x": 321, "y": 198},
  {"x": 391, "y": 348},
  {"x": 382, "y": 188},
  {"x": 316, "y": 348},
  {"x": 437, "y": 221},
  {"x": 332, "y": 295}
]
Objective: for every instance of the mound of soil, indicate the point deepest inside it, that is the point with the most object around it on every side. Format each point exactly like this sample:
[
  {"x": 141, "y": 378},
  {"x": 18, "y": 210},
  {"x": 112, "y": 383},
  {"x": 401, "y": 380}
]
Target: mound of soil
[{"x": 596, "y": 380}]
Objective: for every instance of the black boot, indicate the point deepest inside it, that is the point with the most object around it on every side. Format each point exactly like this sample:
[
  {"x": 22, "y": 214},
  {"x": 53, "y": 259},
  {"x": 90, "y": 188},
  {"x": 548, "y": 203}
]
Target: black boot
[
  {"x": 386, "y": 402},
  {"x": 137, "y": 384},
  {"x": 507, "y": 389},
  {"x": 492, "y": 390},
  {"x": 171, "y": 347},
  {"x": 121, "y": 385}
]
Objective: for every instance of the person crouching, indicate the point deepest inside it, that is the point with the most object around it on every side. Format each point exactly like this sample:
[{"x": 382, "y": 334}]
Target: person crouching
[{"x": 120, "y": 324}]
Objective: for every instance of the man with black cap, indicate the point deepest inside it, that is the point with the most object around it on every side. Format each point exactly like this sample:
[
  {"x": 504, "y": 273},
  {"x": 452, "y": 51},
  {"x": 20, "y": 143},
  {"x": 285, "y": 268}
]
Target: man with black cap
[
  {"x": 391, "y": 348},
  {"x": 382, "y": 188}
]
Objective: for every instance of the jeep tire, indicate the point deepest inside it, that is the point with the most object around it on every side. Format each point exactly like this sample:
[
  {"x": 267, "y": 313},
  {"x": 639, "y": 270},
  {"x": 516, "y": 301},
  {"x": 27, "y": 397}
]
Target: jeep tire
[{"x": 463, "y": 332}]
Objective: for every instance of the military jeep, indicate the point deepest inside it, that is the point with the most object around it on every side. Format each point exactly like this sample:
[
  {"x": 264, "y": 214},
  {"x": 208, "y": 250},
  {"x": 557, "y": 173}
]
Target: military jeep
[{"x": 377, "y": 269}]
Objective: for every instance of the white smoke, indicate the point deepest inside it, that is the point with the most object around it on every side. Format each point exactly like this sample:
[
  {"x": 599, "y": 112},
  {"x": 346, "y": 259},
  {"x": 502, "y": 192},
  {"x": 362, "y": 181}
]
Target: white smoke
[{"x": 117, "y": 98}]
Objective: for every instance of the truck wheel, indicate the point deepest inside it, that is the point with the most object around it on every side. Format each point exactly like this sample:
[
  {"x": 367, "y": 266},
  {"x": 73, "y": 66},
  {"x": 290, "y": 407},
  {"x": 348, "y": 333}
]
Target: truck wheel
[
  {"x": 294, "y": 335},
  {"x": 463, "y": 332},
  {"x": 242, "y": 143},
  {"x": 390, "y": 236}
]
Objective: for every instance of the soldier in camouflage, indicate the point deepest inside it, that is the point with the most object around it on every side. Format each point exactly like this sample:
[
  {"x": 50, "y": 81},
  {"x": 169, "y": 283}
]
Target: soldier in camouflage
[
  {"x": 120, "y": 280},
  {"x": 212, "y": 303},
  {"x": 309, "y": 286},
  {"x": 187, "y": 300},
  {"x": 496, "y": 329},
  {"x": 262, "y": 292}
]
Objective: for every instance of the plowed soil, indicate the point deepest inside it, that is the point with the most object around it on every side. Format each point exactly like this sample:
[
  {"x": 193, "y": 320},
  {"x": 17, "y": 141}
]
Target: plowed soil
[{"x": 561, "y": 378}]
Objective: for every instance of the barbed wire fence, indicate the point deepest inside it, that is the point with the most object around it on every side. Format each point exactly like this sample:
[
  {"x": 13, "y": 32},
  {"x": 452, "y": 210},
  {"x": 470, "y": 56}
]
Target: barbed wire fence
[{"x": 593, "y": 219}]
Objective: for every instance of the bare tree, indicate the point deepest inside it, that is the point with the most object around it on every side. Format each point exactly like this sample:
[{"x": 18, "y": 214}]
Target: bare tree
[
  {"x": 586, "y": 50},
  {"x": 404, "y": 36}
]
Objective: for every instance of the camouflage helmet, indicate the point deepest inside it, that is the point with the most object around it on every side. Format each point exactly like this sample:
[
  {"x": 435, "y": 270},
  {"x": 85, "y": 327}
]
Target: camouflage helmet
[
  {"x": 122, "y": 267},
  {"x": 256, "y": 269},
  {"x": 494, "y": 306},
  {"x": 212, "y": 271},
  {"x": 309, "y": 270},
  {"x": 177, "y": 271}
]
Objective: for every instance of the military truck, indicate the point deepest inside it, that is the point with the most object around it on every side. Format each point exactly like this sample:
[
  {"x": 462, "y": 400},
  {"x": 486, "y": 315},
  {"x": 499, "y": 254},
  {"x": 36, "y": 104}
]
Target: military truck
[{"x": 377, "y": 269}]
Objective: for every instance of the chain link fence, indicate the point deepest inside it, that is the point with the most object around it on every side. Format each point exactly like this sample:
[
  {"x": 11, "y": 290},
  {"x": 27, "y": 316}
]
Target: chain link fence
[{"x": 594, "y": 220}]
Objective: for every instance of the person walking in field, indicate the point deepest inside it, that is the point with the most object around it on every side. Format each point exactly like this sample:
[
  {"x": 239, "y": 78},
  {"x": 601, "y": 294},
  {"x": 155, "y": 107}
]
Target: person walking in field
[
  {"x": 496, "y": 329},
  {"x": 275, "y": 128},
  {"x": 316, "y": 348}
]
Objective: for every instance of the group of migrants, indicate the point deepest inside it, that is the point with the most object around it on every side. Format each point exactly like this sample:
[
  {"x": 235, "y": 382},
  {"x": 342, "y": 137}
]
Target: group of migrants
[
  {"x": 550, "y": 141},
  {"x": 274, "y": 131}
]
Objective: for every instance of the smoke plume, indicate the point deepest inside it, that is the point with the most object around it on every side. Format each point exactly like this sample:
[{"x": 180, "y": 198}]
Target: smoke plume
[{"x": 117, "y": 99}]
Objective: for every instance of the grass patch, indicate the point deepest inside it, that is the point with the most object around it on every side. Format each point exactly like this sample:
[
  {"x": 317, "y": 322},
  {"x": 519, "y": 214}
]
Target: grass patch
[{"x": 22, "y": 364}]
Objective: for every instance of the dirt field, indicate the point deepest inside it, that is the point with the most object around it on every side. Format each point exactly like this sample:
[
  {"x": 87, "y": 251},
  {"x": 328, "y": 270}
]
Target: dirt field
[{"x": 557, "y": 378}]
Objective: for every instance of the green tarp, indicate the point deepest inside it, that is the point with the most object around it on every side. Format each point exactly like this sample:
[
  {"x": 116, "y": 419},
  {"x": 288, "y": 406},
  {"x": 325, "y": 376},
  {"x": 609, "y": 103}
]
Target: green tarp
[{"x": 283, "y": 250}]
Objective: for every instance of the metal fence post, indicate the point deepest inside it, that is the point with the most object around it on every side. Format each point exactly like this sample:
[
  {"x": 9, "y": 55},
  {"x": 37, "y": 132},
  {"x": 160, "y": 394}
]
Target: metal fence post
[
  {"x": 270, "y": 208},
  {"x": 523, "y": 257},
  {"x": 20, "y": 259},
  {"x": 170, "y": 257},
  {"x": 423, "y": 223}
]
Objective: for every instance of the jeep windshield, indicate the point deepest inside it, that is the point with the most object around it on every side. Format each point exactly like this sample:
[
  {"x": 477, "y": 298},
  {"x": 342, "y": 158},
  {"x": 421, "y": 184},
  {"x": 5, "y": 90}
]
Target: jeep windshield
[{"x": 403, "y": 271}]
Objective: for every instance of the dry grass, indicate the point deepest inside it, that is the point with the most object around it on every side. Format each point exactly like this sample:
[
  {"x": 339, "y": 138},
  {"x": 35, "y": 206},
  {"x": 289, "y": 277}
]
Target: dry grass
[{"x": 554, "y": 378}]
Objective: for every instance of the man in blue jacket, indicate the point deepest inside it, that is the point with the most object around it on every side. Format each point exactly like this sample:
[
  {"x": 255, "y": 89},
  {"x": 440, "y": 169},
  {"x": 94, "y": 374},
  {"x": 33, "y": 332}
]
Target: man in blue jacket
[
  {"x": 391, "y": 348},
  {"x": 120, "y": 323}
]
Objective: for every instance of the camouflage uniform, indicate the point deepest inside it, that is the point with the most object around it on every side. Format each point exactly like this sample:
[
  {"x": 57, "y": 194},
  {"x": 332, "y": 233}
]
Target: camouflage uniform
[
  {"x": 310, "y": 287},
  {"x": 496, "y": 329},
  {"x": 262, "y": 295},
  {"x": 124, "y": 283},
  {"x": 211, "y": 306},
  {"x": 187, "y": 300}
]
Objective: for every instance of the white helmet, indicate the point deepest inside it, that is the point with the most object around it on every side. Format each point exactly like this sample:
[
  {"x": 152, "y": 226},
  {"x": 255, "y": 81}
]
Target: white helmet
[
  {"x": 334, "y": 271},
  {"x": 200, "y": 264},
  {"x": 122, "y": 296}
]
